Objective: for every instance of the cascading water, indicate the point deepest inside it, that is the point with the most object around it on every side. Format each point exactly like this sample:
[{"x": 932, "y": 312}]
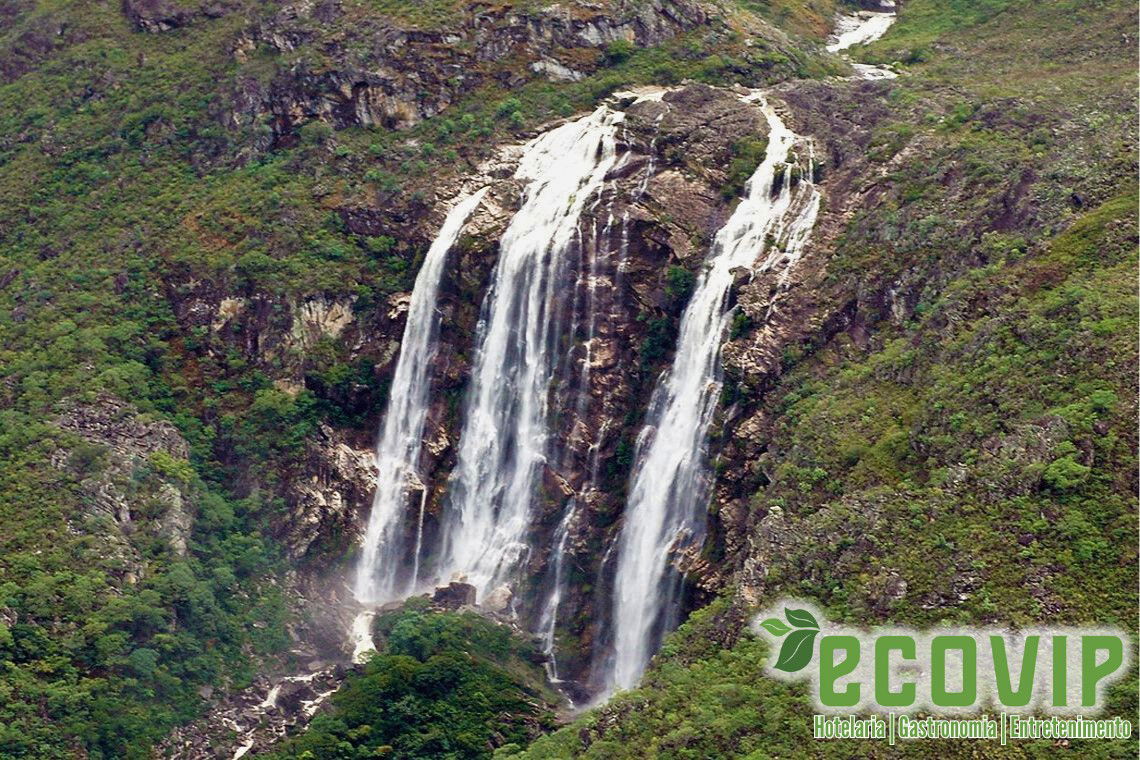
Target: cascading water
[
  {"x": 670, "y": 483},
  {"x": 548, "y": 623},
  {"x": 859, "y": 29},
  {"x": 382, "y": 572},
  {"x": 504, "y": 441},
  {"x": 603, "y": 261},
  {"x": 863, "y": 28}
]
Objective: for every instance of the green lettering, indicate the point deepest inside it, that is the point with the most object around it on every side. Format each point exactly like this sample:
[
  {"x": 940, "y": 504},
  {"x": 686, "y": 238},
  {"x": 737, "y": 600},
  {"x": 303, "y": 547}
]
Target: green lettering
[
  {"x": 830, "y": 671},
  {"x": 1091, "y": 673},
  {"x": 938, "y": 691},
  {"x": 1006, "y": 694},
  {"x": 1060, "y": 671},
  {"x": 884, "y": 645}
]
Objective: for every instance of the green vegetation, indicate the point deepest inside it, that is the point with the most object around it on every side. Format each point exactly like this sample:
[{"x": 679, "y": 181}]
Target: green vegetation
[
  {"x": 748, "y": 153},
  {"x": 1007, "y": 429},
  {"x": 679, "y": 284},
  {"x": 442, "y": 685},
  {"x": 920, "y": 26},
  {"x": 104, "y": 666},
  {"x": 702, "y": 700},
  {"x": 987, "y": 435}
]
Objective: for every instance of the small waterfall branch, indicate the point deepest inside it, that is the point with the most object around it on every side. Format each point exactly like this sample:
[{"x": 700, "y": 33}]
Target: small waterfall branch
[
  {"x": 382, "y": 571},
  {"x": 669, "y": 488}
]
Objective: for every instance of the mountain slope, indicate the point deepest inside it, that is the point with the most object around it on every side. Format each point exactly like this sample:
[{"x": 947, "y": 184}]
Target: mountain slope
[{"x": 210, "y": 213}]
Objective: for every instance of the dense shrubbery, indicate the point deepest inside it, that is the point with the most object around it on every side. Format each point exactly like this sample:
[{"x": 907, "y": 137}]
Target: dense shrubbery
[
  {"x": 94, "y": 667},
  {"x": 446, "y": 685}
]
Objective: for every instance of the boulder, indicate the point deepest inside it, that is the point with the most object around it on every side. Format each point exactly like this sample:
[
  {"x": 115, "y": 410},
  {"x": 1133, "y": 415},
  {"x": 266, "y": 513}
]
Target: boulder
[{"x": 454, "y": 595}]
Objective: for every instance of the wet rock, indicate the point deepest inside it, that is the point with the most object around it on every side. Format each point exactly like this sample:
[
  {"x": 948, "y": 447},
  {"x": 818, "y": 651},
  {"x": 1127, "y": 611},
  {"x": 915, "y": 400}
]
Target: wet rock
[
  {"x": 454, "y": 595},
  {"x": 255, "y": 718},
  {"x": 499, "y": 600}
]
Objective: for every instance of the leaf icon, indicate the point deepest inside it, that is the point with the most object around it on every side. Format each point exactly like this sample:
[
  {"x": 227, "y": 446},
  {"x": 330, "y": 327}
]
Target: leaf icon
[
  {"x": 775, "y": 626},
  {"x": 801, "y": 618},
  {"x": 797, "y": 650}
]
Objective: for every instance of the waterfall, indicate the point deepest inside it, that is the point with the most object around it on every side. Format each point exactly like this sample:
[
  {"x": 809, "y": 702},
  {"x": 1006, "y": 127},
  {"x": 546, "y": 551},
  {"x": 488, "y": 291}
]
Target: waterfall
[
  {"x": 548, "y": 623},
  {"x": 505, "y": 441},
  {"x": 670, "y": 484},
  {"x": 381, "y": 572},
  {"x": 860, "y": 28}
]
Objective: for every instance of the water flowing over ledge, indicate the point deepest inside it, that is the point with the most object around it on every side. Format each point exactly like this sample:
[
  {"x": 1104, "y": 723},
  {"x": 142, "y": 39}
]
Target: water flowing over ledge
[
  {"x": 505, "y": 435},
  {"x": 670, "y": 484},
  {"x": 381, "y": 573},
  {"x": 507, "y": 430}
]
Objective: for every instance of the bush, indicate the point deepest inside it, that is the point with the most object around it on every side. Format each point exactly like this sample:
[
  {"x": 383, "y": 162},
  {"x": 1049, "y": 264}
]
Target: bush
[
  {"x": 315, "y": 133},
  {"x": 657, "y": 342},
  {"x": 679, "y": 283},
  {"x": 741, "y": 324},
  {"x": 508, "y": 107},
  {"x": 1065, "y": 474},
  {"x": 619, "y": 51},
  {"x": 747, "y": 154},
  {"x": 443, "y": 685}
]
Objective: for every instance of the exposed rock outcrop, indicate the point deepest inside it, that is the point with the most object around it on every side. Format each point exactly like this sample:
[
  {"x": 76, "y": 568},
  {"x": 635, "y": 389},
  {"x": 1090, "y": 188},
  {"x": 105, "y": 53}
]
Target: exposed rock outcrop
[
  {"x": 115, "y": 423},
  {"x": 127, "y": 466},
  {"x": 331, "y": 503},
  {"x": 394, "y": 72},
  {"x": 164, "y": 15},
  {"x": 454, "y": 595},
  {"x": 253, "y": 719}
]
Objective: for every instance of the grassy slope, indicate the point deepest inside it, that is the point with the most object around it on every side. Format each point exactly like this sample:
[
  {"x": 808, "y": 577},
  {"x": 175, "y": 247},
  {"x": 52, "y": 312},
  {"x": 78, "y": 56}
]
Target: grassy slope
[{"x": 920, "y": 454}]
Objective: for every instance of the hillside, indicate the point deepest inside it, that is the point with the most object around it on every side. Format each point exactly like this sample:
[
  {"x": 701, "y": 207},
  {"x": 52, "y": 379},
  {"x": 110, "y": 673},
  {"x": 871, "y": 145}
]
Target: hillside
[{"x": 212, "y": 217}]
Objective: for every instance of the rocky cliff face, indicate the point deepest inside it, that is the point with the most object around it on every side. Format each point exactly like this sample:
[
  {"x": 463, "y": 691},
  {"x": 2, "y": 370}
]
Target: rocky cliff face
[
  {"x": 393, "y": 72},
  {"x": 659, "y": 210},
  {"x": 649, "y": 230},
  {"x": 133, "y": 476}
]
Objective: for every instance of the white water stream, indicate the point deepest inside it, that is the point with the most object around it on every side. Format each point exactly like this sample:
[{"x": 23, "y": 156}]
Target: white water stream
[
  {"x": 381, "y": 572},
  {"x": 505, "y": 437},
  {"x": 863, "y": 28},
  {"x": 670, "y": 483}
]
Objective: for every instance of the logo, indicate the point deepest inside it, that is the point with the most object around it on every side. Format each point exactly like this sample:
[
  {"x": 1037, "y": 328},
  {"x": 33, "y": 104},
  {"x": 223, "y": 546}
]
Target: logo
[
  {"x": 1053, "y": 670},
  {"x": 797, "y": 649}
]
